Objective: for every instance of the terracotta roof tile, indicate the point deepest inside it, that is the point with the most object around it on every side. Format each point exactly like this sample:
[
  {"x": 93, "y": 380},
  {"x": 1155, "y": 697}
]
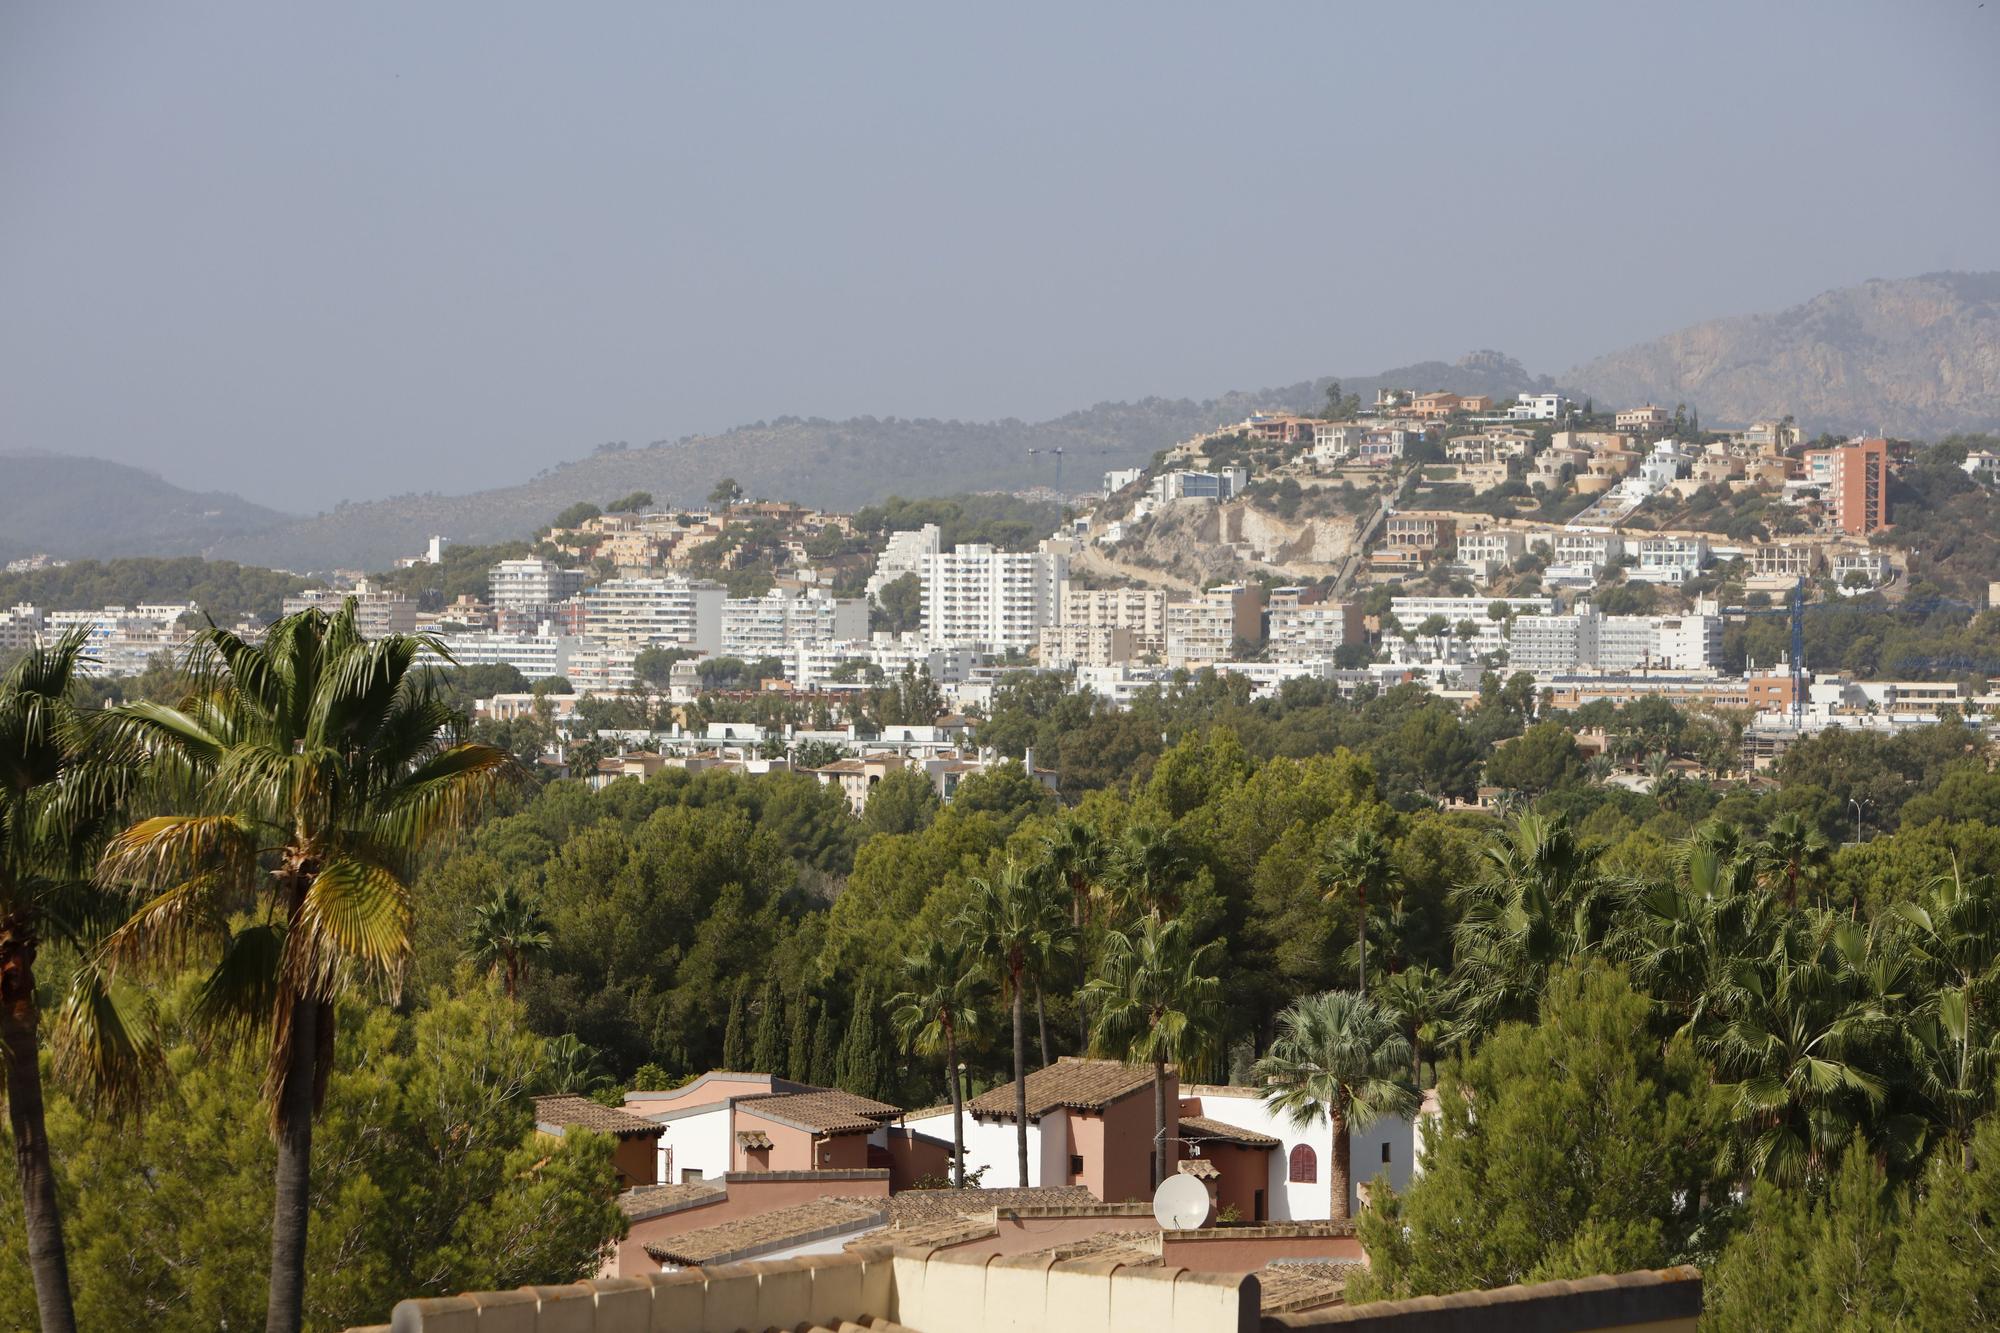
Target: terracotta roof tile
[
  {"x": 654, "y": 1200},
  {"x": 826, "y": 1111},
  {"x": 747, "y": 1237},
  {"x": 1085, "y": 1085},
  {"x": 567, "y": 1110},
  {"x": 1198, "y": 1127},
  {"x": 914, "y": 1207}
]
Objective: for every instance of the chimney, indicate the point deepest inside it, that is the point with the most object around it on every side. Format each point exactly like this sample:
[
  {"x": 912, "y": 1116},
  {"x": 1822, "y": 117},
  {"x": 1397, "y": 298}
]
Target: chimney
[{"x": 1028, "y": 760}]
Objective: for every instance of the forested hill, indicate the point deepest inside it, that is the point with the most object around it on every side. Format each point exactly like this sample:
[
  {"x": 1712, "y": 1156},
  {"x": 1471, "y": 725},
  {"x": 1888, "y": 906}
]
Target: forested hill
[
  {"x": 74, "y": 507},
  {"x": 841, "y": 465}
]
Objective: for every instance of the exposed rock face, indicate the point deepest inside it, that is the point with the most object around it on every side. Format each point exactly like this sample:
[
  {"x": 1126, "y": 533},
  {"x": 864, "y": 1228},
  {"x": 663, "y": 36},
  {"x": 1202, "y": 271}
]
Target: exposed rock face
[{"x": 1916, "y": 357}]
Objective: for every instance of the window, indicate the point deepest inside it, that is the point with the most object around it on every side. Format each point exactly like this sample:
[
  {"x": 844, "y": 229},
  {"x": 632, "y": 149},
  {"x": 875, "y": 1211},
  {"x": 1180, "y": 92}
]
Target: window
[
  {"x": 1305, "y": 1165},
  {"x": 1385, "y": 1152},
  {"x": 1076, "y": 1166},
  {"x": 689, "y": 1173}
]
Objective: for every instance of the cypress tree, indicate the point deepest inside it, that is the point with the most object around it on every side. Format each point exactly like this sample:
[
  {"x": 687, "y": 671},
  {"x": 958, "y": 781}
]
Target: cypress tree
[
  {"x": 735, "y": 1038},
  {"x": 825, "y": 1053},
  {"x": 768, "y": 1055},
  {"x": 855, "y": 1070},
  {"x": 798, "y": 1062}
]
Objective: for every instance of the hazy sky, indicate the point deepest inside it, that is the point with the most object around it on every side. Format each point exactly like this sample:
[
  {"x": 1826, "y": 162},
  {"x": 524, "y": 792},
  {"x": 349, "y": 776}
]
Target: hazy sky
[{"x": 311, "y": 252}]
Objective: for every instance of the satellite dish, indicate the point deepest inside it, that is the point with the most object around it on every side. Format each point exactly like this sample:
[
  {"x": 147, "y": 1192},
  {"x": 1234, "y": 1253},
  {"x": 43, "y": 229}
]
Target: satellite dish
[{"x": 1180, "y": 1203}]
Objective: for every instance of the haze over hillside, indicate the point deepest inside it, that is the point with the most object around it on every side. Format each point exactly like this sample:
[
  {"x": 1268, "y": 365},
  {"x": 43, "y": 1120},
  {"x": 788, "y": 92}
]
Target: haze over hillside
[
  {"x": 75, "y": 507},
  {"x": 1914, "y": 357},
  {"x": 1917, "y": 357}
]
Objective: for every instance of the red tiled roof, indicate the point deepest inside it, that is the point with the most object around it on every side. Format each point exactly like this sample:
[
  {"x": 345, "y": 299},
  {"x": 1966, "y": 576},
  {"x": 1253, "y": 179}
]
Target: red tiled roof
[
  {"x": 825, "y": 1111},
  {"x": 1084, "y": 1085},
  {"x": 566, "y": 1110},
  {"x": 746, "y": 1237}
]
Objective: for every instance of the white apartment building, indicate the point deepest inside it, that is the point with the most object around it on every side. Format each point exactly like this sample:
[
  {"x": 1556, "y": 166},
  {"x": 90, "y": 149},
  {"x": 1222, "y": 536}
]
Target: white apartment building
[
  {"x": 1670, "y": 559},
  {"x": 532, "y": 585},
  {"x": 1414, "y": 611},
  {"x": 776, "y": 623},
  {"x": 1072, "y": 645},
  {"x": 535, "y": 656},
  {"x": 669, "y": 612},
  {"x": 1141, "y": 610},
  {"x": 1204, "y": 630},
  {"x": 812, "y": 664},
  {"x": 1574, "y": 547},
  {"x": 1789, "y": 561},
  {"x": 1337, "y": 440},
  {"x": 975, "y": 595},
  {"x": 1686, "y": 643},
  {"x": 1313, "y": 632},
  {"x": 1870, "y": 564},
  {"x": 1118, "y": 479},
  {"x": 377, "y": 611},
  {"x": 119, "y": 640},
  {"x": 905, "y": 553},
  {"x": 1218, "y": 485},
  {"x": 1536, "y": 407},
  {"x": 1549, "y": 645},
  {"x": 1489, "y": 551}
]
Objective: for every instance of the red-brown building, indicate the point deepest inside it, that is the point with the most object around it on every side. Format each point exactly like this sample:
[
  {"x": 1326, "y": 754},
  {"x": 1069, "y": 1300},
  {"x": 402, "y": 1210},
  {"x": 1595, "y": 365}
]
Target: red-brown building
[
  {"x": 1857, "y": 487},
  {"x": 638, "y": 1139}
]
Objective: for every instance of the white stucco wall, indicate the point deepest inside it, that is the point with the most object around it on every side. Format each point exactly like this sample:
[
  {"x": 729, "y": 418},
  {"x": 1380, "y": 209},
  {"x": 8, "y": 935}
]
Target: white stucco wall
[
  {"x": 700, "y": 1142},
  {"x": 1243, "y": 1108},
  {"x": 990, "y": 1145}
]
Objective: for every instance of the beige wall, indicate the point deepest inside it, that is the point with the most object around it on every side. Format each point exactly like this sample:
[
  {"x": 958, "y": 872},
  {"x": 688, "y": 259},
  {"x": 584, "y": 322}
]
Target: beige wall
[{"x": 1246, "y": 1249}]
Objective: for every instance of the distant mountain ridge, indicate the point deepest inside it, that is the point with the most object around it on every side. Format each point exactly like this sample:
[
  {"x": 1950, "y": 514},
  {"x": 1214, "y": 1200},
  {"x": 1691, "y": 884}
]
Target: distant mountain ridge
[
  {"x": 1913, "y": 357},
  {"x": 1917, "y": 357},
  {"x": 839, "y": 465},
  {"x": 78, "y": 507}
]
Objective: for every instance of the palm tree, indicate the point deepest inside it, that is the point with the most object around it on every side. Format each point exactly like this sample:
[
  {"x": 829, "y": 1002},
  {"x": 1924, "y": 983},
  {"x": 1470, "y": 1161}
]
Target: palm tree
[
  {"x": 941, "y": 1005},
  {"x": 1076, "y": 854},
  {"x": 1425, "y": 1000},
  {"x": 1337, "y": 1057},
  {"x": 1159, "y": 1001},
  {"x": 312, "y": 768},
  {"x": 1053, "y": 945},
  {"x": 1151, "y": 866},
  {"x": 571, "y": 1065},
  {"x": 506, "y": 930},
  {"x": 1005, "y": 922},
  {"x": 59, "y": 794},
  {"x": 1541, "y": 902},
  {"x": 1795, "y": 852},
  {"x": 1953, "y": 936},
  {"x": 1359, "y": 862}
]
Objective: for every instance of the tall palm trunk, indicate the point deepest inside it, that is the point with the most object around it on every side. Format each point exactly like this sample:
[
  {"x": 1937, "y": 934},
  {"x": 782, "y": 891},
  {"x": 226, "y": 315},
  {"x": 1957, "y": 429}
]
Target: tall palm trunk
[
  {"x": 1042, "y": 1020},
  {"x": 1077, "y": 917},
  {"x": 1159, "y": 1121},
  {"x": 957, "y": 1106},
  {"x": 1020, "y": 1082},
  {"x": 1361, "y": 939},
  {"x": 1343, "y": 1167},
  {"x": 19, "y": 1029},
  {"x": 293, "y": 1184}
]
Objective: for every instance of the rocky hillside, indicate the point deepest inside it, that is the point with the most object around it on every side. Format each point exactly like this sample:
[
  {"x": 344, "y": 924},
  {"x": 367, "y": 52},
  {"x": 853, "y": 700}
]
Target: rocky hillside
[
  {"x": 1916, "y": 357},
  {"x": 834, "y": 464},
  {"x": 77, "y": 507}
]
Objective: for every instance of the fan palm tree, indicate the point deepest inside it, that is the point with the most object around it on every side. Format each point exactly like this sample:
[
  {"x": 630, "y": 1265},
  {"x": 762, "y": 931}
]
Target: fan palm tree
[
  {"x": 1159, "y": 1001},
  {"x": 1151, "y": 866},
  {"x": 1076, "y": 854},
  {"x": 1425, "y": 1000},
  {"x": 1541, "y": 902},
  {"x": 941, "y": 1005},
  {"x": 1006, "y": 923},
  {"x": 1337, "y": 1057},
  {"x": 1794, "y": 852},
  {"x": 1359, "y": 862},
  {"x": 1053, "y": 946},
  {"x": 59, "y": 796},
  {"x": 572, "y": 1065},
  {"x": 1953, "y": 935},
  {"x": 311, "y": 769},
  {"x": 506, "y": 931}
]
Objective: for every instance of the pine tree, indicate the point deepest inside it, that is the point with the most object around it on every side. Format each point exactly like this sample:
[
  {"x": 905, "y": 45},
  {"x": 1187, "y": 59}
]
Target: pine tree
[
  {"x": 735, "y": 1037},
  {"x": 768, "y": 1056},
  {"x": 798, "y": 1057},
  {"x": 825, "y": 1052}
]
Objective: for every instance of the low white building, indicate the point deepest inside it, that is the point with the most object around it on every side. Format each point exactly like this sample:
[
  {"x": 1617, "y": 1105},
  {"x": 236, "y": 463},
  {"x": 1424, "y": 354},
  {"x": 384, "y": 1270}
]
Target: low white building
[
  {"x": 1299, "y": 1184},
  {"x": 1670, "y": 560}
]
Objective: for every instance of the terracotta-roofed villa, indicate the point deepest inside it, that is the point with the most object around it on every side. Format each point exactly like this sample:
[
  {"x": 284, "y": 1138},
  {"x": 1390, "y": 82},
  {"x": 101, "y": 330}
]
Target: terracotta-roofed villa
[
  {"x": 636, "y": 1156},
  {"x": 1090, "y": 1123}
]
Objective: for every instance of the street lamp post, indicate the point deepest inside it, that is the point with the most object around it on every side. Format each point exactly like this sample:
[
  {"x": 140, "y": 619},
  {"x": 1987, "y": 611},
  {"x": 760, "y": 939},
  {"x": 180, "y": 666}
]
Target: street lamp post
[{"x": 1857, "y": 803}]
